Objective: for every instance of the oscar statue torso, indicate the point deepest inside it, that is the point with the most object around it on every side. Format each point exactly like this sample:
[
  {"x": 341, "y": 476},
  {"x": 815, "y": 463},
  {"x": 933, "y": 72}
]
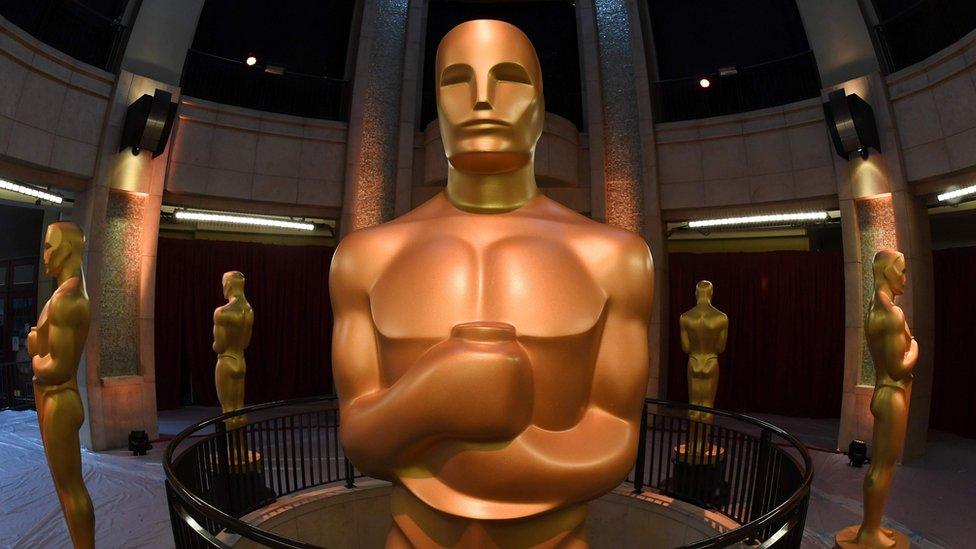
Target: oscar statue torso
[
  {"x": 232, "y": 334},
  {"x": 703, "y": 334},
  {"x": 498, "y": 324}
]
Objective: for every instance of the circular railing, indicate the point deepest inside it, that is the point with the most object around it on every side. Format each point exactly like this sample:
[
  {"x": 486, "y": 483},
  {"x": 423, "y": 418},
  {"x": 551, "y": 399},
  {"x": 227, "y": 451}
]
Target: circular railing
[{"x": 748, "y": 470}]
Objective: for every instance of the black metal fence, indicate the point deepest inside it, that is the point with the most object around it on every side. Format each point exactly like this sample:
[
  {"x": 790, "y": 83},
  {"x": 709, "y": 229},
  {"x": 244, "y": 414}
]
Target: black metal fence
[
  {"x": 758, "y": 87},
  {"x": 222, "y": 80},
  {"x": 72, "y": 28},
  {"x": 16, "y": 386},
  {"x": 748, "y": 470},
  {"x": 922, "y": 30}
]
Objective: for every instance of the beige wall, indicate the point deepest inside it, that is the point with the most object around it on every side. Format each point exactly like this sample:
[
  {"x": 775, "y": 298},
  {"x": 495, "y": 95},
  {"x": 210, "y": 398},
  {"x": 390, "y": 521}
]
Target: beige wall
[
  {"x": 244, "y": 154},
  {"x": 771, "y": 155},
  {"x": 52, "y": 107},
  {"x": 935, "y": 109}
]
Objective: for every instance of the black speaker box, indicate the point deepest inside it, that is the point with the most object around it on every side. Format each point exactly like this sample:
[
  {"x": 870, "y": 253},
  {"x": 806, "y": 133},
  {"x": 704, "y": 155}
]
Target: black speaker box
[
  {"x": 148, "y": 123},
  {"x": 851, "y": 124}
]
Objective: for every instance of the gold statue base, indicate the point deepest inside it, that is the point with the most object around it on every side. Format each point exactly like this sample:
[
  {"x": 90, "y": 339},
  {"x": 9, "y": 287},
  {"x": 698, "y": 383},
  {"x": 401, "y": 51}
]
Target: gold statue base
[{"x": 845, "y": 539}]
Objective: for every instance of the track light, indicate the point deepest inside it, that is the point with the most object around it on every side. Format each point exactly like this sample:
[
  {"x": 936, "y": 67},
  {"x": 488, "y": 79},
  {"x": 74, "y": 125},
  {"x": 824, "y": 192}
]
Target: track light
[
  {"x": 958, "y": 193},
  {"x": 236, "y": 219},
  {"x": 30, "y": 191},
  {"x": 759, "y": 219}
]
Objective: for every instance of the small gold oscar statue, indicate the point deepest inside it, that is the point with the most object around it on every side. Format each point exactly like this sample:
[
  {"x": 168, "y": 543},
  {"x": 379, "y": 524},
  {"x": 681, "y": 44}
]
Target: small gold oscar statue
[
  {"x": 704, "y": 330},
  {"x": 894, "y": 352},
  {"x": 232, "y": 334},
  {"x": 55, "y": 346}
]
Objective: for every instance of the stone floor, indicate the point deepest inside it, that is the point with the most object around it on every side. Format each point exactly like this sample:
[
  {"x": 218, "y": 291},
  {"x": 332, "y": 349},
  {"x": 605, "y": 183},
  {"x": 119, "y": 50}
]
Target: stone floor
[{"x": 931, "y": 501}]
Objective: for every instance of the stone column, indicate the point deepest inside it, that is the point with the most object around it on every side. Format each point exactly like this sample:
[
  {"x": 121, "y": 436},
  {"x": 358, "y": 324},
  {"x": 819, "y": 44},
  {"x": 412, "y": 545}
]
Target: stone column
[
  {"x": 374, "y": 134},
  {"x": 622, "y": 146},
  {"x": 119, "y": 212},
  {"x": 878, "y": 211},
  {"x": 839, "y": 37}
]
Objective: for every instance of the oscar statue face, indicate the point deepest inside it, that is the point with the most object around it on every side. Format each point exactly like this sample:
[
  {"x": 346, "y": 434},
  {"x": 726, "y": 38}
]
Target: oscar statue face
[
  {"x": 489, "y": 97},
  {"x": 56, "y": 251},
  {"x": 896, "y": 276}
]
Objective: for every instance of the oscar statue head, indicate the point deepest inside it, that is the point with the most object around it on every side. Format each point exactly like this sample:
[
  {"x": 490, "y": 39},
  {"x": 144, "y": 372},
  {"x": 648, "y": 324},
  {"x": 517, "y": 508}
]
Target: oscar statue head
[
  {"x": 889, "y": 271},
  {"x": 703, "y": 291},
  {"x": 489, "y": 97},
  {"x": 233, "y": 284},
  {"x": 63, "y": 247}
]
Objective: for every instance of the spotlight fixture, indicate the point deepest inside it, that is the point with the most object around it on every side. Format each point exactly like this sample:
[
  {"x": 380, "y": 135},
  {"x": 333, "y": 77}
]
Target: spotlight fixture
[
  {"x": 30, "y": 191},
  {"x": 237, "y": 219},
  {"x": 704, "y": 82},
  {"x": 857, "y": 453},
  {"x": 139, "y": 443},
  {"x": 251, "y": 60},
  {"x": 759, "y": 219},
  {"x": 958, "y": 193}
]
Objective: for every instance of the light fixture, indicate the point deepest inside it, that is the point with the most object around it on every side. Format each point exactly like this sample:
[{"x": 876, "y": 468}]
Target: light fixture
[
  {"x": 30, "y": 191},
  {"x": 704, "y": 82},
  {"x": 236, "y": 219},
  {"x": 251, "y": 60},
  {"x": 271, "y": 68},
  {"x": 857, "y": 453},
  {"x": 958, "y": 193},
  {"x": 728, "y": 71},
  {"x": 759, "y": 219}
]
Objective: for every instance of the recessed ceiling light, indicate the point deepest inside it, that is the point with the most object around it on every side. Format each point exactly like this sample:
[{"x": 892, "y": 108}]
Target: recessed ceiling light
[
  {"x": 759, "y": 219},
  {"x": 237, "y": 219},
  {"x": 30, "y": 191}
]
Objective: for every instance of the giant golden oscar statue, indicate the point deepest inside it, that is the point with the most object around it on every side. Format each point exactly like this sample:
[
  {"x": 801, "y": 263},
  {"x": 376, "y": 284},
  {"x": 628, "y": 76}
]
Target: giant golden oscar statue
[
  {"x": 704, "y": 330},
  {"x": 894, "y": 352},
  {"x": 490, "y": 346},
  {"x": 232, "y": 334},
  {"x": 55, "y": 346}
]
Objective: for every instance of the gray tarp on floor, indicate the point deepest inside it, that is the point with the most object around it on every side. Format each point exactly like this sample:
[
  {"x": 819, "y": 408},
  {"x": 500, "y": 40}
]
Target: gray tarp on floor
[{"x": 127, "y": 491}]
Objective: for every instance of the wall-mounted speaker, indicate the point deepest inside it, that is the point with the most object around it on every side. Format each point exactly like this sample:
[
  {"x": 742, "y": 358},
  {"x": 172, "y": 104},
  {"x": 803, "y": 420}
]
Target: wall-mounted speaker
[
  {"x": 148, "y": 123},
  {"x": 851, "y": 123}
]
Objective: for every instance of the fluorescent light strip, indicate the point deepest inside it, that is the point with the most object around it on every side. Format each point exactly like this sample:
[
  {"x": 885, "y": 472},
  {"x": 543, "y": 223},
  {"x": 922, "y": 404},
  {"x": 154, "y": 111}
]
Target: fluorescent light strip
[
  {"x": 30, "y": 191},
  {"x": 759, "y": 219},
  {"x": 965, "y": 191},
  {"x": 243, "y": 220}
]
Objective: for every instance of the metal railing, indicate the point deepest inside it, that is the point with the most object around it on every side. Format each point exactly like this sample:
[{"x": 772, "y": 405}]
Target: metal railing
[
  {"x": 766, "y": 85},
  {"x": 922, "y": 30},
  {"x": 760, "y": 478},
  {"x": 72, "y": 28},
  {"x": 223, "y": 80},
  {"x": 16, "y": 386}
]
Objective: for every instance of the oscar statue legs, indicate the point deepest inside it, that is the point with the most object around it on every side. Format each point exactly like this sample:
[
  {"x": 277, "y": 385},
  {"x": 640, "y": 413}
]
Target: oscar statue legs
[
  {"x": 417, "y": 525},
  {"x": 702, "y": 387},
  {"x": 230, "y": 386},
  {"x": 60, "y": 415},
  {"x": 890, "y": 409}
]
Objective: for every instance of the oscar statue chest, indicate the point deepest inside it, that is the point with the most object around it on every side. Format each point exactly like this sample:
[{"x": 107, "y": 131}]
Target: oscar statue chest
[{"x": 539, "y": 285}]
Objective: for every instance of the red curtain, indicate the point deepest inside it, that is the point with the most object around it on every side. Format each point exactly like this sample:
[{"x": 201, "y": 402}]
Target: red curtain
[
  {"x": 785, "y": 351},
  {"x": 290, "y": 351},
  {"x": 954, "y": 369}
]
